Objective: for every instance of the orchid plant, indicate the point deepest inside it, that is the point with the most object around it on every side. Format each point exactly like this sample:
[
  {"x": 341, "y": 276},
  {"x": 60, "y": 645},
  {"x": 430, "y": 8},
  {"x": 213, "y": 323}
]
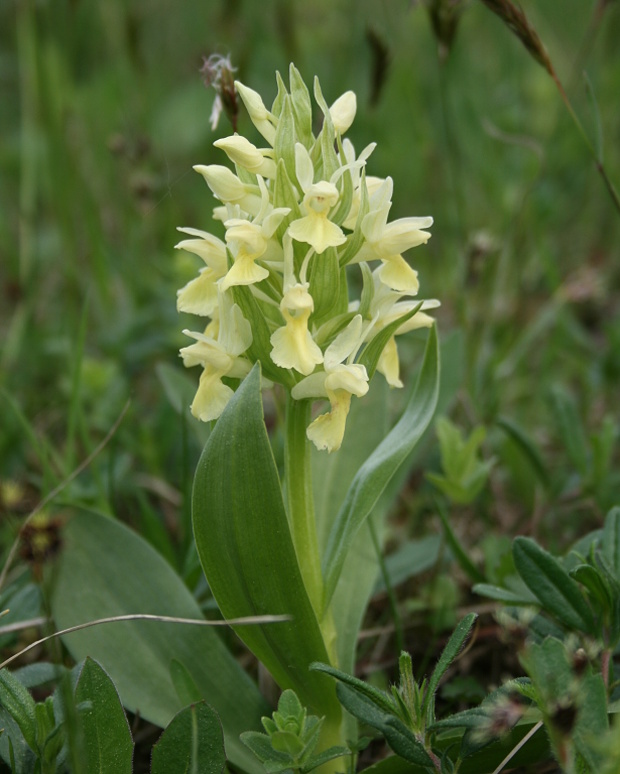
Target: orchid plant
[
  {"x": 307, "y": 290},
  {"x": 304, "y": 295}
]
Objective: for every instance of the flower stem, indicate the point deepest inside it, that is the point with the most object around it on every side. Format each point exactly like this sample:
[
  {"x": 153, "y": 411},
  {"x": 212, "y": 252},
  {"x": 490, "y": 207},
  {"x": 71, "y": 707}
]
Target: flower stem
[{"x": 300, "y": 500}]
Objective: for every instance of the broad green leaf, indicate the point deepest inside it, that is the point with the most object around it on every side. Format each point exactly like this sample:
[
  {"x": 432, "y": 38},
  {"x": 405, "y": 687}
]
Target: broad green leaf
[
  {"x": 191, "y": 744},
  {"x": 18, "y": 702},
  {"x": 105, "y": 569},
  {"x": 107, "y": 742},
  {"x": 184, "y": 683},
  {"x": 246, "y": 550},
  {"x": 610, "y": 540},
  {"x": 375, "y": 474},
  {"x": 556, "y": 591}
]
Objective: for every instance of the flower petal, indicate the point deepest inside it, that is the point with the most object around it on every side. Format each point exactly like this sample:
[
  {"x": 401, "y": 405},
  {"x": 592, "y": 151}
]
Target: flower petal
[{"x": 398, "y": 275}]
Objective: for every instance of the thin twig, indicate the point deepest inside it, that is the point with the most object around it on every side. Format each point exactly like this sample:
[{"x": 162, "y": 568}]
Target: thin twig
[
  {"x": 76, "y": 472},
  {"x": 19, "y": 626},
  {"x": 517, "y": 747},
  {"x": 247, "y": 621}
]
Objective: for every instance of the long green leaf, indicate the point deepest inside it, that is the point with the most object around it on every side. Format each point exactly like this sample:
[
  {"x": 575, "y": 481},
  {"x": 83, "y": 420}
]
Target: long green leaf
[
  {"x": 376, "y": 472},
  {"x": 245, "y": 546},
  {"x": 108, "y": 746},
  {"x": 106, "y": 569},
  {"x": 332, "y": 475},
  {"x": 557, "y": 592},
  {"x": 192, "y": 743}
]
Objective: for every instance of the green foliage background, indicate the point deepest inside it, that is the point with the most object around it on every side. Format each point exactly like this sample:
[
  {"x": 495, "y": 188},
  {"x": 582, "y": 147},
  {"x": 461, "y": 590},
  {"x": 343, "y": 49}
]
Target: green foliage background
[{"x": 103, "y": 115}]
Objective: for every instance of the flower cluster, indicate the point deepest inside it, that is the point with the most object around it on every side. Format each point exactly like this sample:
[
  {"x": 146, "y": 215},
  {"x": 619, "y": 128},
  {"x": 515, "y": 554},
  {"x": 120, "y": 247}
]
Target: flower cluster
[{"x": 298, "y": 214}]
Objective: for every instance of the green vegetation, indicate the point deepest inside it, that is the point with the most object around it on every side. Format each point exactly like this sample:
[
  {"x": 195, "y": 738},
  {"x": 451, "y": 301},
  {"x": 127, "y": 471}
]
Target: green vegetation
[{"x": 490, "y": 544}]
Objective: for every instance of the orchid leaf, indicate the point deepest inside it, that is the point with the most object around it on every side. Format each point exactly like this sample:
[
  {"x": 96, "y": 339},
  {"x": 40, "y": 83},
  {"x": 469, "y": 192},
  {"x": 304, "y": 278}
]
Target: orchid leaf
[
  {"x": 375, "y": 474},
  {"x": 246, "y": 550},
  {"x": 105, "y": 569}
]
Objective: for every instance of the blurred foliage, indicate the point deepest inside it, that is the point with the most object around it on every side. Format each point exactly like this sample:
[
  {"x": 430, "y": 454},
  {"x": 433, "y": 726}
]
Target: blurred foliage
[{"x": 104, "y": 114}]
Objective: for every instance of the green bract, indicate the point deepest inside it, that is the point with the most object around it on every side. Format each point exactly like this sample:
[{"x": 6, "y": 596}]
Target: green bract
[{"x": 299, "y": 215}]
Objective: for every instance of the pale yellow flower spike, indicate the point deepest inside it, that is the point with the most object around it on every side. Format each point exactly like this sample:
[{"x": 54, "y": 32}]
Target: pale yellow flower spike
[{"x": 293, "y": 345}]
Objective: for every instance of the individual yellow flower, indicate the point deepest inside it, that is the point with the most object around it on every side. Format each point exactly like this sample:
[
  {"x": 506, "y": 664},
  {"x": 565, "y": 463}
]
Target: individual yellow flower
[
  {"x": 250, "y": 240},
  {"x": 293, "y": 345},
  {"x": 315, "y": 228},
  {"x": 386, "y": 241},
  {"x": 219, "y": 358},
  {"x": 340, "y": 380},
  {"x": 385, "y": 308},
  {"x": 199, "y": 296}
]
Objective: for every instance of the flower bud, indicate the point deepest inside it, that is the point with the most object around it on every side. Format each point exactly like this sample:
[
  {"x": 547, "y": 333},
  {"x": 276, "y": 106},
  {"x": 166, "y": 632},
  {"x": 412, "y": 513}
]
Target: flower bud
[
  {"x": 242, "y": 152},
  {"x": 259, "y": 115},
  {"x": 343, "y": 111}
]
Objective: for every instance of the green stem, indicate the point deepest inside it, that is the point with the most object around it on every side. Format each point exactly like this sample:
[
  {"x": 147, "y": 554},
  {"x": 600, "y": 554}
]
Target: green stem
[{"x": 300, "y": 500}]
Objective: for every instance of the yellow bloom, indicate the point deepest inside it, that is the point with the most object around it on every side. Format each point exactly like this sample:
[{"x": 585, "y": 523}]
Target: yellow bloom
[
  {"x": 315, "y": 228},
  {"x": 199, "y": 296},
  {"x": 221, "y": 357},
  {"x": 386, "y": 241},
  {"x": 250, "y": 240},
  {"x": 293, "y": 345},
  {"x": 338, "y": 383},
  {"x": 385, "y": 308}
]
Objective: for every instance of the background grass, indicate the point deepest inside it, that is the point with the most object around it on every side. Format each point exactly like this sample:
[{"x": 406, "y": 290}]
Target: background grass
[{"x": 103, "y": 115}]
